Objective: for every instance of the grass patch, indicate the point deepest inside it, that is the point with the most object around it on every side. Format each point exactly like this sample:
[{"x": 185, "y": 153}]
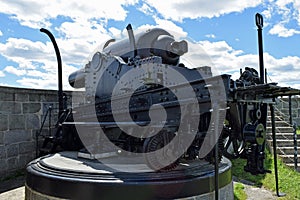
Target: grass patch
[
  {"x": 239, "y": 193},
  {"x": 289, "y": 180}
]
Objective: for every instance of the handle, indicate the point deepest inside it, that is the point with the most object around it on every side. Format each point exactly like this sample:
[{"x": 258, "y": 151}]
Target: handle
[{"x": 259, "y": 20}]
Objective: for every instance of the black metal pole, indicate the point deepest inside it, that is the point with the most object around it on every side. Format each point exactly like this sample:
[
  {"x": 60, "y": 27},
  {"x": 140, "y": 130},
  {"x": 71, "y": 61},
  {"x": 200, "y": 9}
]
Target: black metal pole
[
  {"x": 295, "y": 147},
  {"x": 217, "y": 171},
  {"x": 266, "y": 76},
  {"x": 274, "y": 150},
  {"x": 290, "y": 110},
  {"x": 59, "y": 66},
  {"x": 259, "y": 24},
  {"x": 216, "y": 132},
  {"x": 49, "y": 125}
]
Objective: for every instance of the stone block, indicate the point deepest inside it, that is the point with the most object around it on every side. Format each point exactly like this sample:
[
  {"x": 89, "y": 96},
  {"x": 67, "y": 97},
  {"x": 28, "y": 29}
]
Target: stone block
[
  {"x": 31, "y": 107},
  {"x": 17, "y": 136},
  {"x": 54, "y": 107},
  {"x": 12, "y": 163},
  {"x": 26, "y": 147},
  {"x": 54, "y": 118},
  {"x": 1, "y": 137},
  {"x": 32, "y": 121},
  {"x": 7, "y": 96},
  {"x": 16, "y": 122},
  {"x": 49, "y": 98},
  {"x": 22, "y": 97},
  {"x": 2, "y": 152},
  {"x": 297, "y": 121},
  {"x": 3, "y": 167},
  {"x": 10, "y": 107},
  {"x": 3, "y": 122},
  {"x": 35, "y": 97},
  {"x": 12, "y": 150},
  {"x": 24, "y": 159}
]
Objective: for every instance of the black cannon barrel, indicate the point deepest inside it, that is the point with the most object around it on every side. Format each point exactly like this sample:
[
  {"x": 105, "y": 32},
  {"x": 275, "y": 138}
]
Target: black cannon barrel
[{"x": 77, "y": 79}]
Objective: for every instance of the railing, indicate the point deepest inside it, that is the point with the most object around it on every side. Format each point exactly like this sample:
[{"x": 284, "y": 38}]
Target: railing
[{"x": 284, "y": 118}]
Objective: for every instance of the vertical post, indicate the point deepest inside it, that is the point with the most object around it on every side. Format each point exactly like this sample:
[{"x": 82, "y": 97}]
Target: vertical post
[
  {"x": 290, "y": 110},
  {"x": 59, "y": 67},
  {"x": 295, "y": 147},
  {"x": 217, "y": 171},
  {"x": 216, "y": 132},
  {"x": 266, "y": 76},
  {"x": 259, "y": 24},
  {"x": 274, "y": 150},
  {"x": 49, "y": 124}
]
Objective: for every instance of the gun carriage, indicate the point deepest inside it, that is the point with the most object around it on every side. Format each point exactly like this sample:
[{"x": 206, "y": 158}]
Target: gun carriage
[
  {"x": 139, "y": 98},
  {"x": 123, "y": 103}
]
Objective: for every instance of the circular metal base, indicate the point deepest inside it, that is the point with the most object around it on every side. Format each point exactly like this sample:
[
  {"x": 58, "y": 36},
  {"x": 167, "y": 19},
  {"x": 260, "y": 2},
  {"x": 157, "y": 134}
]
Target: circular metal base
[{"x": 65, "y": 176}]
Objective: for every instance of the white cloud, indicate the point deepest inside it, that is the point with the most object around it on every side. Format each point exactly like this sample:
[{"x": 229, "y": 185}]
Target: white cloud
[
  {"x": 170, "y": 26},
  {"x": 267, "y": 13},
  {"x": 115, "y": 32},
  {"x": 43, "y": 78},
  {"x": 224, "y": 59},
  {"x": 146, "y": 9},
  {"x": 178, "y": 10},
  {"x": 284, "y": 13},
  {"x": 23, "y": 50},
  {"x": 167, "y": 25},
  {"x": 282, "y": 31},
  {"x": 36, "y": 61},
  {"x": 210, "y": 36},
  {"x": 37, "y": 14},
  {"x": 15, "y": 71},
  {"x": 38, "y": 83},
  {"x": 1, "y": 33},
  {"x": 79, "y": 37},
  {"x": 2, "y": 74}
]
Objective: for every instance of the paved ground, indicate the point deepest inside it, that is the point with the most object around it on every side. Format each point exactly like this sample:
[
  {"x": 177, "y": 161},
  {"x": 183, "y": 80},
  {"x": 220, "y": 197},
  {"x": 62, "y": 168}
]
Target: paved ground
[
  {"x": 13, "y": 189},
  {"x": 14, "y": 194},
  {"x": 254, "y": 193}
]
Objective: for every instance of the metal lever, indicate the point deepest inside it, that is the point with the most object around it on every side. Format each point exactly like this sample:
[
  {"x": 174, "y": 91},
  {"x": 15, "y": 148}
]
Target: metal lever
[
  {"x": 259, "y": 24},
  {"x": 59, "y": 67}
]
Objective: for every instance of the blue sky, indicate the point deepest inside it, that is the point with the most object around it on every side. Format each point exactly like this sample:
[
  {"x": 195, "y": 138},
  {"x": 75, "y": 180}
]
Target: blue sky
[{"x": 224, "y": 29}]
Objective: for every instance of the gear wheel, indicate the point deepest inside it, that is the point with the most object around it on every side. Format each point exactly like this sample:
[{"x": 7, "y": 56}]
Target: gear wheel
[{"x": 155, "y": 143}]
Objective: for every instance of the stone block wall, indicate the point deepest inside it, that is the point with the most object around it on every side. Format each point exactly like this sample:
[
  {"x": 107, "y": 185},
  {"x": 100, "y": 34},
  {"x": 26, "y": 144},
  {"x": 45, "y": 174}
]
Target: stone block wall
[{"x": 21, "y": 115}]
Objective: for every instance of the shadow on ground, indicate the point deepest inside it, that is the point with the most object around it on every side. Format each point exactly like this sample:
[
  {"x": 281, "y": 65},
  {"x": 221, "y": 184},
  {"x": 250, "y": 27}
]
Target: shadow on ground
[{"x": 13, "y": 181}]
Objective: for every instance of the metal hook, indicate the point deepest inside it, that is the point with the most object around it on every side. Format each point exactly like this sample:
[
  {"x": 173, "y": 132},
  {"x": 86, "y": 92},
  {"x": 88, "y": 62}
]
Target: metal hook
[{"x": 259, "y": 20}]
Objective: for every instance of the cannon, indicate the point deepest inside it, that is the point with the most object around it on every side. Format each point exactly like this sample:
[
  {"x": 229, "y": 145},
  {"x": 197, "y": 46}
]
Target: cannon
[
  {"x": 140, "y": 102},
  {"x": 143, "y": 98}
]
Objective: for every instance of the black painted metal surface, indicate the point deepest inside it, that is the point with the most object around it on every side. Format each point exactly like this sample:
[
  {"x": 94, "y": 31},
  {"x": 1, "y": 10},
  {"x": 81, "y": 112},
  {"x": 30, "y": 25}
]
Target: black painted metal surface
[{"x": 103, "y": 182}]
